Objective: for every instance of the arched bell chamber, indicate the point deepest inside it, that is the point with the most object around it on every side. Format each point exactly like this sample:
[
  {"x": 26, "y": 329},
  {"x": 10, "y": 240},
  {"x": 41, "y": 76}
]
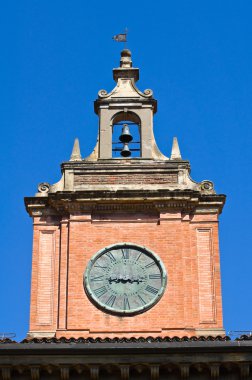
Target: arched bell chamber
[{"x": 128, "y": 144}]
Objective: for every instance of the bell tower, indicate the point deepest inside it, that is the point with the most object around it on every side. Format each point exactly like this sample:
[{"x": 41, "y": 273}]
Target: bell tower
[
  {"x": 126, "y": 243},
  {"x": 126, "y": 104}
]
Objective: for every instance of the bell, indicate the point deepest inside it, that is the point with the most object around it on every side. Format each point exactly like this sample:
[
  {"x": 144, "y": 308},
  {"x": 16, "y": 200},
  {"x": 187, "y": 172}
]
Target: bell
[
  {"x": 125, "y": 152},
  {"x": 125, "y": 136}
]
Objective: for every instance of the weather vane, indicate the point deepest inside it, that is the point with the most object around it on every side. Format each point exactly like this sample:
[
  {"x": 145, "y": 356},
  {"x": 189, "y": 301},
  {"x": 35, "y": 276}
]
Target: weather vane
[{"x": 122, "y": 37}]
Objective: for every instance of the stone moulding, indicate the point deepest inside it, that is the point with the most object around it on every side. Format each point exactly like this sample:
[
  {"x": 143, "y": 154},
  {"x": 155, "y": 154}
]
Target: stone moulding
[{"x": 183, "y": 201}]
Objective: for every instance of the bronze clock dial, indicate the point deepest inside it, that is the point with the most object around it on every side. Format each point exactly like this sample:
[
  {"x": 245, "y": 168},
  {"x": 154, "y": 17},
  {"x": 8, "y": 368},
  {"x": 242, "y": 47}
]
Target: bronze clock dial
[{"x": 125, "y": 279}]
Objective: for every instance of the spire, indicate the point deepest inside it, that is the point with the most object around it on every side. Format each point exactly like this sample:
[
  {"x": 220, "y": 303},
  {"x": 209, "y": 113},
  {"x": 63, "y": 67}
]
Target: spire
[
  {"x": 175, "y": 153},
  {"x": 76, "y": 155}
]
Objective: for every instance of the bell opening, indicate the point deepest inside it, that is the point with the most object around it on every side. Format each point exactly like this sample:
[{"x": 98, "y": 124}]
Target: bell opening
[{"x": 126, "y": 139}]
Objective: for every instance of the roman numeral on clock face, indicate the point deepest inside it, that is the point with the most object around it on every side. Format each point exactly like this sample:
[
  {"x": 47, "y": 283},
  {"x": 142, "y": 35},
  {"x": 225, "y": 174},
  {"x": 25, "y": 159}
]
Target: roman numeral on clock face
[
  {"x": 150, "y": 264},
  {"x": 138, "y": 257},
  {"x": 142, "y": 300},
  {"x": 110, "y": 256},
  {"x": 97, "y": 265},
  {"x": 125, "y": 253},
  {"x": 154, "y": 276},
  {"x": 97, "y": 278},
  {"x": 100, "y": 291},
  {"x": 151, "y": 289},
  {"x": 111, "y": 300},
  {"x": 126, "y": 304}
]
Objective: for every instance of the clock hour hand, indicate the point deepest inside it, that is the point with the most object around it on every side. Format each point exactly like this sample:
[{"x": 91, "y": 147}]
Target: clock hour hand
[{"x": 125, "y": 279}]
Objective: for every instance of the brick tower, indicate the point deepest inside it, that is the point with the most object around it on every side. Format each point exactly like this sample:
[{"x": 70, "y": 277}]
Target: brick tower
[{"x": 126, "y": 243}]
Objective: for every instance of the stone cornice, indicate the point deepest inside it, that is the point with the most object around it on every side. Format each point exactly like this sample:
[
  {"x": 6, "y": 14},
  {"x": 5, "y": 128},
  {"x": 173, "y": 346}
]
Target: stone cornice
[
  {"x": 131, "y": 164},
  {"x": 188, "y": 201}
]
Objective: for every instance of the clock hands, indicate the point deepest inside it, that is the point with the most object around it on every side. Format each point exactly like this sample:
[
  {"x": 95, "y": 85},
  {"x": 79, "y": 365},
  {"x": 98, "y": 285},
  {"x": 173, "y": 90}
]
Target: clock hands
[{"x": 125, "y": 279}]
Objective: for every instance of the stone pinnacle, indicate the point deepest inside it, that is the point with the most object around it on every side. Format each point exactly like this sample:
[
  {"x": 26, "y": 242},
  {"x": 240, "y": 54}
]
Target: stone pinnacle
[
  {"x": 175, "y": 153},
  {"x": 76, "y": 155}
]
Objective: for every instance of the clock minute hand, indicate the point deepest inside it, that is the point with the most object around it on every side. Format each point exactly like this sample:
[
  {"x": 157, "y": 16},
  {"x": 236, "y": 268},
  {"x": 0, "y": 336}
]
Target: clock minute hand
[
  {"x": 124, "y": 280},
  {"x": 133, "y": 279}
]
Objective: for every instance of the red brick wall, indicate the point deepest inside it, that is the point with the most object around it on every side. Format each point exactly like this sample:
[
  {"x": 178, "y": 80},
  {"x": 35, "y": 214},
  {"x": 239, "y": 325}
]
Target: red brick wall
[
  {"x": 188, "y": 247},
  {"x": 132, "y": 178}
]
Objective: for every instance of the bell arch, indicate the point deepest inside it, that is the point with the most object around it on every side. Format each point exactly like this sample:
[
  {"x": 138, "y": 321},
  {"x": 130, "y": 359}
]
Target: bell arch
[
  {"x": 126, "y": 115},
  {"x": 126, "y": 135}
]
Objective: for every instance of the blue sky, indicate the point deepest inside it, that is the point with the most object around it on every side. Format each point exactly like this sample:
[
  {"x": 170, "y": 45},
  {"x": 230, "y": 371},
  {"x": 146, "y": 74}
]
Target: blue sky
[{"x": 56, "y": 55}]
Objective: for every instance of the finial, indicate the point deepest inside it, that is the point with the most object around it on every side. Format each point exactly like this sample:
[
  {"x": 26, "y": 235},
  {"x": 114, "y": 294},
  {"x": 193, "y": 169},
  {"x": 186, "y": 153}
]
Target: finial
[
  {"x": 126, "y": 60},
  {"x": 175, "y": 153},
  {"x": 126, "y": 71},
  {"x": 76, "y": 155}
]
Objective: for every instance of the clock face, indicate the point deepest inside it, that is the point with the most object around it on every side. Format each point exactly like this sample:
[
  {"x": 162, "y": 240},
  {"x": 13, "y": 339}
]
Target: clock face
[{"x": 125, "y": 279}]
